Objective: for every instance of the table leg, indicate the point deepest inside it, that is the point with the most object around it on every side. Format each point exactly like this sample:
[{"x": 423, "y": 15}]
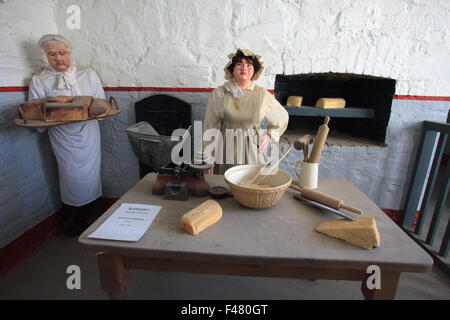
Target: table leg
[
  {"x": 113, "y": 275},
  {"x": 388, "y": 288}
]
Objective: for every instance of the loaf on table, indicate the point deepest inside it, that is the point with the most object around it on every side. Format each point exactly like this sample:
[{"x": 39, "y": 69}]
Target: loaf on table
[
  {"x": 330, "y": 103},
  {"x": 362, "y": 232},
  {"x": 201, "y": 217}
]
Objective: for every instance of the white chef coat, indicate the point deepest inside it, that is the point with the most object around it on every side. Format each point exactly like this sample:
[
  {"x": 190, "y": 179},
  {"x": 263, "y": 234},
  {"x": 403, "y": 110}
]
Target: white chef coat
[{"x": 76, "y": 145}]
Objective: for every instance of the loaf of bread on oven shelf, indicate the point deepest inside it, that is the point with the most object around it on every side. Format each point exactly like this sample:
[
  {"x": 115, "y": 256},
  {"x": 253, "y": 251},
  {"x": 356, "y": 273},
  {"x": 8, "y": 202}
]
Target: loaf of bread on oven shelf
[
  {"x": 330, "y": 103},
  {"x": 362, "y": 232},
  {"x": 294, "y": 101},
  {"x": 201, "y": 217}
]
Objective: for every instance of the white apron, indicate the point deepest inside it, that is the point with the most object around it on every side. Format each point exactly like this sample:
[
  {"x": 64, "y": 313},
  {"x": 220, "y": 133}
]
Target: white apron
[{"x": 76, "y": 146}]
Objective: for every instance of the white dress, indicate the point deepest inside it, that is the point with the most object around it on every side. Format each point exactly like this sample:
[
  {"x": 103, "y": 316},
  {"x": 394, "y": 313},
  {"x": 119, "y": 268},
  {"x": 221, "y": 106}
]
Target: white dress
[{"x": 76, "y": 146}]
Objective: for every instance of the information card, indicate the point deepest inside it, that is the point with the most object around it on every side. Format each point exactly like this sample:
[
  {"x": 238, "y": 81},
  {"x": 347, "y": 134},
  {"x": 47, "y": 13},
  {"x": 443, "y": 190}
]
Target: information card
[{"x": 128, "y": 223}]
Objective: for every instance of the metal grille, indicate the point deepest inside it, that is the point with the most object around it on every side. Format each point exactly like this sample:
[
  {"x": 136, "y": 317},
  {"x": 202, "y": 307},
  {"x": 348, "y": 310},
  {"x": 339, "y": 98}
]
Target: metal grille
[{"x": 428, "y": 234}]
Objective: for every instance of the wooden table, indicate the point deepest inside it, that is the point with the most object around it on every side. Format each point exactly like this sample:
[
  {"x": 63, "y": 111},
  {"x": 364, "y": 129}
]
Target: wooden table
[{"x": 280, "y": 241}]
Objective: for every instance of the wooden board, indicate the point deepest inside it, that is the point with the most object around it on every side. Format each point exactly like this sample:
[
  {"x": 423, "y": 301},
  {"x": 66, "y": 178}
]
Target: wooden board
[{"x": 42, "y": 124}]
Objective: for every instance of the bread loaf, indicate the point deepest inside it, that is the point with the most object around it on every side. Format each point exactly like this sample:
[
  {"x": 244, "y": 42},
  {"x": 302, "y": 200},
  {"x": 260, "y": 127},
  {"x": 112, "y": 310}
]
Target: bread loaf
[
  {"x": 61, "y": 99},
  {"x": 99, "y": 108},
  {"x": 294, "y": 101},
  {"x": 54, "y": 112},
  {"x": 361, "y": 232},
  {"x": 330, "y": 103},
  {"x": 201, "y": 217},
  {"x": 32, "y": 110},
  {"x": 77, "y": 110},
  {"x": 85, "y": 101}
]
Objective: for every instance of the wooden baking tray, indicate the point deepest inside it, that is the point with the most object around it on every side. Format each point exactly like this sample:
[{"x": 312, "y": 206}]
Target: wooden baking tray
[{"x": 114, "y": 111}]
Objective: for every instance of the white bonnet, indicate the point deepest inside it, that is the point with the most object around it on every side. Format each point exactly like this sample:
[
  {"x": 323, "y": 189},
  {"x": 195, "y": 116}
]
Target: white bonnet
[
  {"x": 53, "y": 38},
  {"x": 247, "y": 53}
]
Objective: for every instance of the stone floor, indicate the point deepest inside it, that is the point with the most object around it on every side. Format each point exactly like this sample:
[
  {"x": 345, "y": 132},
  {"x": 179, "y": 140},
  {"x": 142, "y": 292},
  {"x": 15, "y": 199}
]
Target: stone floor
[{"x": 43, "y": 276}]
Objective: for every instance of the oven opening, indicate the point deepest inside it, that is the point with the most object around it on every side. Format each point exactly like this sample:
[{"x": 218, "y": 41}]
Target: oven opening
[
  {"x": 165, "y": 114},
  {"x": 362, "y": 122}
]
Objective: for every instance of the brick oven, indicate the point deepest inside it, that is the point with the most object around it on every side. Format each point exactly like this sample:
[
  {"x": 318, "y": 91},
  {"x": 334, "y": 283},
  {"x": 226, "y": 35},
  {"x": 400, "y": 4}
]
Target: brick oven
[{"x": 366, "y": 113}]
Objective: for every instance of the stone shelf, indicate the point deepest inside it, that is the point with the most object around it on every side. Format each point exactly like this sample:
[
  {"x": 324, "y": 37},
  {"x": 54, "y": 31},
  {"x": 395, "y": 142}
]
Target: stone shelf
[{"x": 309, "y": 111}]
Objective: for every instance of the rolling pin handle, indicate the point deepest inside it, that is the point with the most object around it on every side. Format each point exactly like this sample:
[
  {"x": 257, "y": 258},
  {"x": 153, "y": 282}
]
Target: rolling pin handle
[
  {"x": 351, "y": 209},
  {"x": 294, "y": 187}
]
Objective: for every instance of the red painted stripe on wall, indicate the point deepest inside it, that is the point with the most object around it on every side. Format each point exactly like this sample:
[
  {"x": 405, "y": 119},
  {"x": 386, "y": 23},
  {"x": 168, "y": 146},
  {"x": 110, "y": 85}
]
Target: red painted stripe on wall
[
  {"x": 165, "y": 89},
  {"x": 173, "y": 89},
  {"x": 426, "y": 98},
  {"x": 13, "y": 89}
]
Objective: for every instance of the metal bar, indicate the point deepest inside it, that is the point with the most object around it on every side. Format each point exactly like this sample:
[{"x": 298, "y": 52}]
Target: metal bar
[
  {"x": 445, "y": 245},
  {"x": 431, "y": 182},
  {"x": 438, "y": 261},
  {"x": 438, "y": 210},
  {"x": 438, "y": 126},
  {"x": 419, "y": 176}
]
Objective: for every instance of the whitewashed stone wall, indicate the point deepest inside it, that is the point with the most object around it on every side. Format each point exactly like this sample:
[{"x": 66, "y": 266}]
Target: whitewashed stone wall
[
  {"x": 29, "y": 189},
  {"x": 22, "y": 23},
  {"x": 184, "y": 44}
]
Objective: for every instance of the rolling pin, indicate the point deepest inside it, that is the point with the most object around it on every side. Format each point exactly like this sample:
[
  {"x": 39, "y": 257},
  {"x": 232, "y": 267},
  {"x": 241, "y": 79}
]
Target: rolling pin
[
  {"x": 303, "y": 144},
  {"x": 319, "y": 142},
  {"x": 325, "y": 199}
]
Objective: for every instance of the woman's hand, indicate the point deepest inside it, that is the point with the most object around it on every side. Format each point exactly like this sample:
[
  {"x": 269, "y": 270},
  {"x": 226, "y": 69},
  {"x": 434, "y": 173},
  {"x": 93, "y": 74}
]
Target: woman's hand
[{"x": 264, "y": 143}]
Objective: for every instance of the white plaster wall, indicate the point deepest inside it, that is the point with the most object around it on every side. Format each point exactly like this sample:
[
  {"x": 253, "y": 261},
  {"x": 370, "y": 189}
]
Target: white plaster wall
[
  {"x": 29, "y": 189},
  {"x": 185, "y": 43},
  {"x": 22, "y": 23}
]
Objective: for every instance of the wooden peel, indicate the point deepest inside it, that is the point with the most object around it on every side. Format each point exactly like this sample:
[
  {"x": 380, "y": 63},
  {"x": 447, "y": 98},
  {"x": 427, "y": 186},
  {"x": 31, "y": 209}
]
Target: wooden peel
[
  {"x": 319, "y": 142},
  {"x": 325, "y": 199}
]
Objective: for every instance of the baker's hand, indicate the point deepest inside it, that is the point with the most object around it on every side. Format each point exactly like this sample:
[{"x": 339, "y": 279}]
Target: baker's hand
[{"x": 264, "y": 143}]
